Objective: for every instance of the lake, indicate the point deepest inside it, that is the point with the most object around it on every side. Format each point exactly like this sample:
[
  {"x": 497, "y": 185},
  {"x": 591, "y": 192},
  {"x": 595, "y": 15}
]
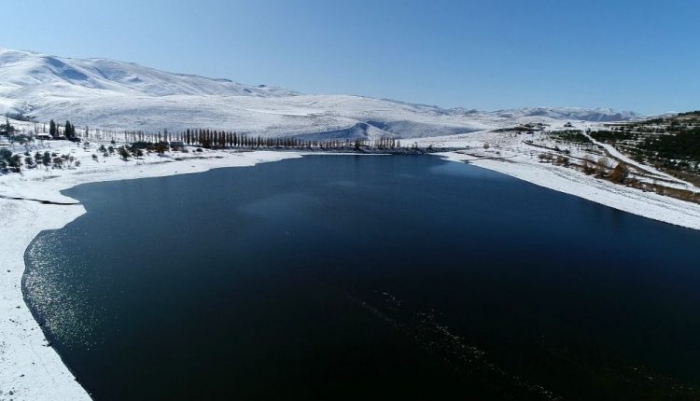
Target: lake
[{"x": 366, "y": 277}]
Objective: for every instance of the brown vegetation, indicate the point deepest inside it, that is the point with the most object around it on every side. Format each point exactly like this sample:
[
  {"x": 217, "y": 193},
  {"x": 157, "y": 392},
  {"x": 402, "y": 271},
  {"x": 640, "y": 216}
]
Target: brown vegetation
[{"x": 620, "y": 173}]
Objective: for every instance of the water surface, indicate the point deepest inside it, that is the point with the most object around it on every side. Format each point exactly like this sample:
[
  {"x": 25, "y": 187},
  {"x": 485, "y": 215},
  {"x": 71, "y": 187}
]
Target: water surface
[{"x": 344, "y": 277}]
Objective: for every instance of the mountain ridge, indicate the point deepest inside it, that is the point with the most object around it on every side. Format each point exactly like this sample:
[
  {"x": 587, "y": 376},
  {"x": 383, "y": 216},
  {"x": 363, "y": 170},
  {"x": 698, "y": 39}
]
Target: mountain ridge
[
  {"x": 127, "y": 96},
  {"x": 24, "y": 68}
]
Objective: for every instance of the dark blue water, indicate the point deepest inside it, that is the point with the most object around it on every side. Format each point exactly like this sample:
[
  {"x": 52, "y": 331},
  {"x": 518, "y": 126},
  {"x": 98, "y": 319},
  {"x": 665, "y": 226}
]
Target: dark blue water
[{"x": 341, "y": 277}]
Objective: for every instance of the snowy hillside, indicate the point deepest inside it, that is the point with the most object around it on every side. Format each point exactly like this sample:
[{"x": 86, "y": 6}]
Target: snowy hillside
[
  {"x": 571, "y": 113},
  {"x": 125, "y": 96},
  {"x": 24, "y": 74}
]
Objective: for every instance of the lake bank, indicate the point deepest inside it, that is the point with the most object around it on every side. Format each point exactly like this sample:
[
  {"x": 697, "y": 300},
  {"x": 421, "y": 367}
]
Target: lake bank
[
  {"x": 620, "y": 197},
  {"x": 29, "y": 368}
]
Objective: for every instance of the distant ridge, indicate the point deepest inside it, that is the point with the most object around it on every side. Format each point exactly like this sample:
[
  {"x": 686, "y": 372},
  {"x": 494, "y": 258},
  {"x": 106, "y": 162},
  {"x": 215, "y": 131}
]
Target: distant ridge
[
  {"x": 572, "y": 113},
  {"x": 127, "y": 96}
]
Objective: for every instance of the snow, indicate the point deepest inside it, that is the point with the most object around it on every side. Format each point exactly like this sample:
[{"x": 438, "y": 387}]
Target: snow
[
  {"x": 570, "y": 113},
  {"x": 120, "y": 96},
  {"x": 29, "y": 369},
  {"x": 41, "y": 74}
]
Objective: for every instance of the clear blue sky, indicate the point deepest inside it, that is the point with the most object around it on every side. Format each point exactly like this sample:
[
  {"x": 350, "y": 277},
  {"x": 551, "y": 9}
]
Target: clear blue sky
[{"x": 634, "y": 55}]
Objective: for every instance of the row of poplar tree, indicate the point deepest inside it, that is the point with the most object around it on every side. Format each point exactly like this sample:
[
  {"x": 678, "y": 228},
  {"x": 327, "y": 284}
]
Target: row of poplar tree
[
  {"x": 212, "y": 139},
  {"x": 68, "y": 129}
]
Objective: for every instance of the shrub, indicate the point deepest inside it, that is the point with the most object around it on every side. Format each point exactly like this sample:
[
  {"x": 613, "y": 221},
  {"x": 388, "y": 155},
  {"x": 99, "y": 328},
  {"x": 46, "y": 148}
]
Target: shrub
[
  {"x": 15, "y": 163},
  {"x": 562, "y": 161},
  {"x": 546, "y": 157},
  {"x": 601, "y": 167},
  {"x": 141, "y": 145},
  {"x": 161, "y": 147},
  {"x": 620, "y": 173},
  {"x": 587, "y": 165},
  {"x": 5, "y": 154},
  {"x": 123, "y": 153},
  {"x": 575, "y": 136}
]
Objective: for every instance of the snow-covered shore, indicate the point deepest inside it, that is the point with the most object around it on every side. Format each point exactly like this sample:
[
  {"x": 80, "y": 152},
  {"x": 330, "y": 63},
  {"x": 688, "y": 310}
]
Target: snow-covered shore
[
  {"x": 29, "y": 368},
  {"x": 517, "y": 156},
  {"x": 630, "y": 200}
]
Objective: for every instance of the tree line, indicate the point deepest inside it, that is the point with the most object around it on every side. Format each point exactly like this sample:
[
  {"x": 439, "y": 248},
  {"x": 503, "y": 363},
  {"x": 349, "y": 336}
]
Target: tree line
[
  {"x": 216, "y": 139},
  {"x": 68, "y": 130}
]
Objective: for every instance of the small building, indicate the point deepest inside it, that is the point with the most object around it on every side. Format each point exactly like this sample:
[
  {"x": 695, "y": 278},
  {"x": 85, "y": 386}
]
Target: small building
[{"x": 43, "y": 137}]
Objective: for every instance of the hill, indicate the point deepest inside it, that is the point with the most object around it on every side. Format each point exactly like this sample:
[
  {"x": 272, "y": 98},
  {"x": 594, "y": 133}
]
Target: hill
[{"x": 126, "y": 96}]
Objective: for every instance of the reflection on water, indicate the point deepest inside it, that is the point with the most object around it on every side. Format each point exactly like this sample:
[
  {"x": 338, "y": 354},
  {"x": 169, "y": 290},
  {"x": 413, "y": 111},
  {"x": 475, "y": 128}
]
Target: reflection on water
[{"x": 59, "y": 298}]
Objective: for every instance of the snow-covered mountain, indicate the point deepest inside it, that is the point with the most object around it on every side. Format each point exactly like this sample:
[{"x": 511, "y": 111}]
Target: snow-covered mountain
[
  {"x": 25, "y": 74},
  {"x": 571, "y": 113},
  {"x": 126, "y": 96}
]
